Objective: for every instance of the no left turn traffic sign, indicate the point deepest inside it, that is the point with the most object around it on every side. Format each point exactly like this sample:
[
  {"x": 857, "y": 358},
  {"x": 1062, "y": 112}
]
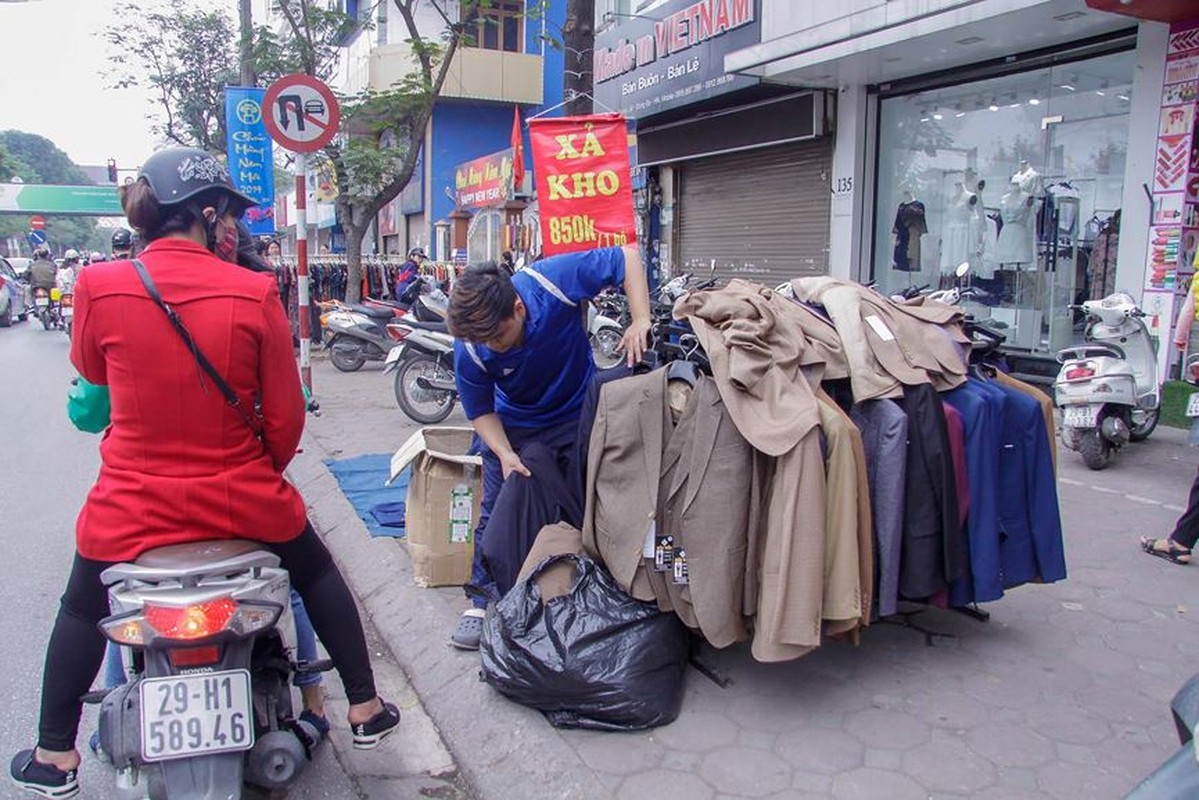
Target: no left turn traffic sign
[{"x": 301, "y": 113}]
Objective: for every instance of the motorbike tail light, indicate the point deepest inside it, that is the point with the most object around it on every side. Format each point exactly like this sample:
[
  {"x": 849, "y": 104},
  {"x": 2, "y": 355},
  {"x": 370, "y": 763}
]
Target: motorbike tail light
[
  {"x": 68, "y": 300},
  {"x": 253, "y": 617},
  {"x": 39, "y": 292},
  {"x": 195, "y": 621},
  {"x": 1194, "y": 371},
  {"x": 1080, "y": 372},
  {"x": 195, "y": 656},
  {"x": 129, "y": 629}
]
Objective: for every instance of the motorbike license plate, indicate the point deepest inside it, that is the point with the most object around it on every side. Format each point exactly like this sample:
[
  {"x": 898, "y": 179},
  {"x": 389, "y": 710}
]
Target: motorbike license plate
[
  {"x": 1193, "y": 405},
  {"x": 42, "y": 302},
  {"x": 190, "y": 715},
  {"x": 1080, "y": 416}
]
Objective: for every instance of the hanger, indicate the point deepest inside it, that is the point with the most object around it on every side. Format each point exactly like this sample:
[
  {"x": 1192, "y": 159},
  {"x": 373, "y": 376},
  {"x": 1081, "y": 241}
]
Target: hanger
[
  {"x": 683, "y": 371},
  {"x": 571, "y": 97}
]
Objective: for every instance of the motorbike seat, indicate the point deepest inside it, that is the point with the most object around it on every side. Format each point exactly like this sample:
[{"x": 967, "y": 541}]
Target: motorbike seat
[
  {"x": 374, "y": 301},
  {"x": 373, "y": 313},
  {"x": 193, "y": 560}
]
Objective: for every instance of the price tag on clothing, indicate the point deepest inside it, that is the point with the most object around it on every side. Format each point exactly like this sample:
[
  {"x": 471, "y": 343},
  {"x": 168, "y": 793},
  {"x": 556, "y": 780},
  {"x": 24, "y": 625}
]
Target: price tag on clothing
[
  {"x": 880, "y": 328},
  {"x": 651, "y": 535},
  {"x": 664, "y": 554},
  {"x": 679, "y": 567}
]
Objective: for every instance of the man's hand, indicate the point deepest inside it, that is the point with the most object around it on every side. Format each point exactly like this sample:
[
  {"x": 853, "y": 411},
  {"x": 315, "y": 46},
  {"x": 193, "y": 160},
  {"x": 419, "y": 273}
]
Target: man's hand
[
  {"x": 633, "y": 343},
  {"x": 510, "y": 462}
]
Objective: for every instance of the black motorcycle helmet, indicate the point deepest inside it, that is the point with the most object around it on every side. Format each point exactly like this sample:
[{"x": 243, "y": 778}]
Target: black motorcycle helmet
[
  {"x": 122, "y": 239},
  {"x": 190, "y": 177}
]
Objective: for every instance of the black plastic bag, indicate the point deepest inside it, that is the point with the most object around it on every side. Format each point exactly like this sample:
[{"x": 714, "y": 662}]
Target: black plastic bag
[{"x": 593, "y": 658}]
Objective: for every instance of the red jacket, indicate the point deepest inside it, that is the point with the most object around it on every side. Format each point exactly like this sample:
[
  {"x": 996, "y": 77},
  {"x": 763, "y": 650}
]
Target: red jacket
[{"x": 177, "y": 463}]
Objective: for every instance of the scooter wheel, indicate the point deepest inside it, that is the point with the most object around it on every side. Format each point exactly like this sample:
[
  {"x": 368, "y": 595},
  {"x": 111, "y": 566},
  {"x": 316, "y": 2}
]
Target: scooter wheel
[
  {"x": 1095, "y": 450},
  {"x": 346, "y": 361}
]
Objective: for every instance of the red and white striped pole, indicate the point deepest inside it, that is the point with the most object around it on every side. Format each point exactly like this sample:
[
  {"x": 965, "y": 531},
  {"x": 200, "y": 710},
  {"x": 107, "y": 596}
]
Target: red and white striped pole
[{"x": 302, "y": 271}]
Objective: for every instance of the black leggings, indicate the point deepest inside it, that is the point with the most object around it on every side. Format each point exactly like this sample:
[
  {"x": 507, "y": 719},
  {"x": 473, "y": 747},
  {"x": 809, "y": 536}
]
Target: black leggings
[
  {"x": 76, "y": 647},
  {"x": 1186, "y": 530}
]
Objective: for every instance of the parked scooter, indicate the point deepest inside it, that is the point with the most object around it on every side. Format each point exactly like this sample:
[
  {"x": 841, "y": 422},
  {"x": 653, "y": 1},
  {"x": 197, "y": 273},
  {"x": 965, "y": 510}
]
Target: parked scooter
[
  {"x": 355, "y": 334},
  {"x": 423, "y": 363},
  {"x": 207, "y": 631},
  {"x": 1108, "y": 388},
  {"x": 604, "y": 333}
]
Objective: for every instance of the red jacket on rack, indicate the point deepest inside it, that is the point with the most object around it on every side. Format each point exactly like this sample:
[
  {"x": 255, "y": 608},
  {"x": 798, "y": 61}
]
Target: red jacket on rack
[{"x": 177, "y": 463}]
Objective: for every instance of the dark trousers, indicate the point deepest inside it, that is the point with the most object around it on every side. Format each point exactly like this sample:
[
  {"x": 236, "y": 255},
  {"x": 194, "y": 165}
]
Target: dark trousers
[
  {"x": 76, "y": 647},
  {"x": 511, "y": 508},
  {"x": 1186, "y": 530}
]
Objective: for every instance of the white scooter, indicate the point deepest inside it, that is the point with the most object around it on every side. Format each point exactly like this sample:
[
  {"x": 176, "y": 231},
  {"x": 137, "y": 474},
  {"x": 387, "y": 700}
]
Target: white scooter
[{"x": 1108, "y": 388}]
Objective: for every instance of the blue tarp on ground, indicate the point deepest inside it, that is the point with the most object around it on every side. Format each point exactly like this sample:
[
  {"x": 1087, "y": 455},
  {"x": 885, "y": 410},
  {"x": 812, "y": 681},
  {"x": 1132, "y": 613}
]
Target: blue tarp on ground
[{"x": 363, "y": 480}]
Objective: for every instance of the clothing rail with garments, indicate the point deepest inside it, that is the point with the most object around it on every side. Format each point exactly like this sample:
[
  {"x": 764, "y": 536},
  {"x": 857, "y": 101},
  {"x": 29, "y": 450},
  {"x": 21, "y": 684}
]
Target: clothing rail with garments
[{"x": 843, "y": 454}]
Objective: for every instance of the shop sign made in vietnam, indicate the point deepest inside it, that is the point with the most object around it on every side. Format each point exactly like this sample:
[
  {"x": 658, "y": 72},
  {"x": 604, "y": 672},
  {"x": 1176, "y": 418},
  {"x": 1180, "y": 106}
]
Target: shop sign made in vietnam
[
  {"x": 644, "y": 65},
  {"x": 484, "y": 182},
  {"x": 581, "y": 165}
]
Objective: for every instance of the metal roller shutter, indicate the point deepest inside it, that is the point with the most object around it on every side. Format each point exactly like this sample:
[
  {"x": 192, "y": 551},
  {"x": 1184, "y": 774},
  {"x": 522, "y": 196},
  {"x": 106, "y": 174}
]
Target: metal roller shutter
[{"x": 763, "y": 215}]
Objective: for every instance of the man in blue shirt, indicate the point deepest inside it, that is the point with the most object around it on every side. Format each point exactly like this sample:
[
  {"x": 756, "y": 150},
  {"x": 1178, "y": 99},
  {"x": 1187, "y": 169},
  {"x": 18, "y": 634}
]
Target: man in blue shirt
[{"x": 523, "y": 365}]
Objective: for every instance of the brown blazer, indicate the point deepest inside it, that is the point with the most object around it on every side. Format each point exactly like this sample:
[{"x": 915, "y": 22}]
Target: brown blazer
[
  {"x": 692, "y": 481},
  {"x": 890, "y": 345},
  {"x": 757, "y": 345}
]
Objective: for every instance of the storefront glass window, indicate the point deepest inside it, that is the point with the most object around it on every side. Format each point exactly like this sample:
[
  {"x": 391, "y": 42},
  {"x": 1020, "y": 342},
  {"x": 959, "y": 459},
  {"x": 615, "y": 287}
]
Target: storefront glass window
[{"x": 1019, "y": 176}]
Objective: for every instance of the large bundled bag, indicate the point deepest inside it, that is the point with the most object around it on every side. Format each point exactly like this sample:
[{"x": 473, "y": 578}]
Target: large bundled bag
[{"x": 592, "y": 658}]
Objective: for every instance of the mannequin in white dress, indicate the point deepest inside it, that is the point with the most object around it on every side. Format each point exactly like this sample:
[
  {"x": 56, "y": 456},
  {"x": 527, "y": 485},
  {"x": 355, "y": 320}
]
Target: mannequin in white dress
[
  {"x": 1015, "y": 242},
  {"x": 955, "y": 239},
  {"x": 1029, "y": 180}
]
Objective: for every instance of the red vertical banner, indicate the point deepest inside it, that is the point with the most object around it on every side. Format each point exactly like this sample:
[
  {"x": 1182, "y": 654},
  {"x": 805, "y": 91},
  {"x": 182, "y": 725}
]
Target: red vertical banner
[{"x": 581, "y": 166}]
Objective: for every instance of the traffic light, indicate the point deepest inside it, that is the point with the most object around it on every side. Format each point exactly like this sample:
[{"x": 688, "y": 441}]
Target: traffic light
[{"x": 112, "y": 170}]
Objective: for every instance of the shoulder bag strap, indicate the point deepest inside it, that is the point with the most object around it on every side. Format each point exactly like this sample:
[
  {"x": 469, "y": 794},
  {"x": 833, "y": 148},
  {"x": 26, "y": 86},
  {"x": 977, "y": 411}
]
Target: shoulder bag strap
[{"x": 230, "y": 396}]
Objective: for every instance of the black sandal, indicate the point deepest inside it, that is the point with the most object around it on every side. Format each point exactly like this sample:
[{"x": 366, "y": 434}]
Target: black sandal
[{"x": 1174, "y": 553}]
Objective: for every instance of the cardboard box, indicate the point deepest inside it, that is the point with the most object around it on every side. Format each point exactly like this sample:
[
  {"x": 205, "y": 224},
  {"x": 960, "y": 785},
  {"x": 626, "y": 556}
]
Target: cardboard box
[{"x": 442, "y": 506}]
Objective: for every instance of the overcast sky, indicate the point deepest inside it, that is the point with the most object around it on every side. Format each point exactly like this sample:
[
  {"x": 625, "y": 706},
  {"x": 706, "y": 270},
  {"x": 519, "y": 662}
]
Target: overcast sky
[{"x": 52, "y": 64}]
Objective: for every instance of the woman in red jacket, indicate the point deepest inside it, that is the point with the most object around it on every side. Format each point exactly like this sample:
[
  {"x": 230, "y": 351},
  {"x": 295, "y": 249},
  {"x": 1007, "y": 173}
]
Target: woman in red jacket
[{"x": 179, "y": 463}]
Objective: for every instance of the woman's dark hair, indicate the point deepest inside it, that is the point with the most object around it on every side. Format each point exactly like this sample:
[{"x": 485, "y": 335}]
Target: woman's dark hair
[
  {"x": 482, "y": 298},
  {"x": 152, "y": 220}
]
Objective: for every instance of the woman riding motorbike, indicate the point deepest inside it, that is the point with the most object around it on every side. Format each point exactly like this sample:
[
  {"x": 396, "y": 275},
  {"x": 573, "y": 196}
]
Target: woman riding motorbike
[{"x": 179, "y": 463}]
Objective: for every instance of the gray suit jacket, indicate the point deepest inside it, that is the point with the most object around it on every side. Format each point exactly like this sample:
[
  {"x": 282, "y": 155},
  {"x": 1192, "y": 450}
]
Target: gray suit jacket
[
  {"x": 884, "y": 429},
  {"x": 692, "y": 481}
]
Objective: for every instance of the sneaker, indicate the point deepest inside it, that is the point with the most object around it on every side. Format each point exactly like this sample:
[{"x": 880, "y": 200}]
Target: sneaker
[
  {"x": 368, "y": 735},
  {"x": 45, "y": 780},
  {"x": 470, "y": 630}
]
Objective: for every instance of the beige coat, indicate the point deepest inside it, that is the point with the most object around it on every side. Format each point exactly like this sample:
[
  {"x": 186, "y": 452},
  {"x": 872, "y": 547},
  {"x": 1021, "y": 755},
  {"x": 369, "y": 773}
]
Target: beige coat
[
  {"x": 694, "y": 482},
  {"x": 890, "y": 345},
  {"x": 757, "y": 345}
]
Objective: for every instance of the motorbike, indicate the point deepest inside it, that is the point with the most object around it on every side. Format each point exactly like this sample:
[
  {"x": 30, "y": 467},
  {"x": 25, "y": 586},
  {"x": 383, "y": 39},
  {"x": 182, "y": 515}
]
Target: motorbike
[
  {"x": 423, "y": 363},
  {"x": 66, "y": 312},
  {"x": 1178, "y": 777},
  {"x": 355, "y": 334},
  {"x": 604, "y": 332},
  {"x": 207, "y": 632},
  {"x": 45, "y": 307},
  {"x": 1108, "y": 387}
]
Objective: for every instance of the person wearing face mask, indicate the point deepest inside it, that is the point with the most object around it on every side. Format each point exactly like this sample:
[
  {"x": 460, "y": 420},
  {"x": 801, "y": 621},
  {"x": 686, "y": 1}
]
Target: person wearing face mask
[{"x": 169, "y": 429}]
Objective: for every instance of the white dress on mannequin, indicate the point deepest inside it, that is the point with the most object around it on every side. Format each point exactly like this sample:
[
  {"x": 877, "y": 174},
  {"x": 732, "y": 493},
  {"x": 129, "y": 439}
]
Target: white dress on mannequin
[
  {"x": 1029, "y": 180},
  {"x": 1015, "y": 242},
  {"x": 955, "y": 239}
]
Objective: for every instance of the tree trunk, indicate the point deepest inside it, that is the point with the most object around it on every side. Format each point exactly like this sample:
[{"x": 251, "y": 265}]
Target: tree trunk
[
  {"x": 246, "y": 48},
  {"x": 579, "y": 38},
  {"x": 354, "y": 237}
]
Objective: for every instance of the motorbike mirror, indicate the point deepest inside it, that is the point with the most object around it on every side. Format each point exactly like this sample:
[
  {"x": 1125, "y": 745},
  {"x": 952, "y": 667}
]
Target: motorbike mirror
[
  {"x": 520, "y": 264},
  {"x": 962, "y": 269}
]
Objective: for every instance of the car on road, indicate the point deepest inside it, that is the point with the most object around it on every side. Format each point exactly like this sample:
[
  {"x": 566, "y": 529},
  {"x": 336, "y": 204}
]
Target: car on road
[
  {"x": 12, "y": 295},
  {"x": 20, "y": 264}
]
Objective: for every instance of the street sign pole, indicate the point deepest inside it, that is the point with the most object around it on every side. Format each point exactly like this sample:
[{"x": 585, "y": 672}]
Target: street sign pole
[
  {"x": 302, "y": 270},
  {"x": 302, "y": 114}
]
